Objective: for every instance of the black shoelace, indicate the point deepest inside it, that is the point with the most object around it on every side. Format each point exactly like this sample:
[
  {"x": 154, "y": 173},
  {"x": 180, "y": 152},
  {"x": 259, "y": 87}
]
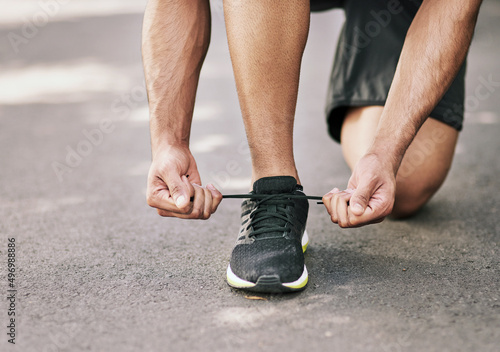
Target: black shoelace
[
  {"x": 262, "y": 196},
  {"x": 270, "y": 206}
]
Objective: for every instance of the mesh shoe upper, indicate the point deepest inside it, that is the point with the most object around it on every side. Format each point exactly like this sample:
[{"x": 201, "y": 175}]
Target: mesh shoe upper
[{"x": 269, "y": 241}]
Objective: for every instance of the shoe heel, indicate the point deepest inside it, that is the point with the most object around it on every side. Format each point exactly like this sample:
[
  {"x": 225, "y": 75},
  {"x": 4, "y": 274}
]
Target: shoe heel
[
  {"x": 269, "y": 284},
  {"x": 269, "y": 280}
]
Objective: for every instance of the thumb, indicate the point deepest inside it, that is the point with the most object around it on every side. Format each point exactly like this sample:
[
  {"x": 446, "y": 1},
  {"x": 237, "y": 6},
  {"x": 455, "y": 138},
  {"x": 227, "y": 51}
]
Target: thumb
[
  {"x": 359, "y": 200},
  {"x": 180, "y": 189}
]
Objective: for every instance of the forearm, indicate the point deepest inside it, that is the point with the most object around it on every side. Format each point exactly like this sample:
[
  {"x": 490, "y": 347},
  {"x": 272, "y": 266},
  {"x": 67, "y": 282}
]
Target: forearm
[
  {"x": 176, "y": 35},
  {"x": 435, "y": 48}
]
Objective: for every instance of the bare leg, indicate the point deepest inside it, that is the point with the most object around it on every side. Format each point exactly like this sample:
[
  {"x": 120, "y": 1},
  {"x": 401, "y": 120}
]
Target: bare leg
[
  {"x": 425, "y": 164},
  {"x": 266, "y": 41}
]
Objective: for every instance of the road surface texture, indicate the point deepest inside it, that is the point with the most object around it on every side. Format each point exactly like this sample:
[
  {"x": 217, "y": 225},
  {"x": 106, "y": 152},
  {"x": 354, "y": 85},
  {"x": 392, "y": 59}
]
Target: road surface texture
[{"x": 98, "y": 270}]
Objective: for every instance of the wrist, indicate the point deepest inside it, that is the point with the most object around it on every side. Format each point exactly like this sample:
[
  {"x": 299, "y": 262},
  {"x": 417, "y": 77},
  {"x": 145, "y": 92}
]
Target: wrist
[
  {"x": 166, "y": 134},
  {"x": 168, "y": 140},
  {"x": 386, "y": 153},
  {"x": 165, "y": 144}
]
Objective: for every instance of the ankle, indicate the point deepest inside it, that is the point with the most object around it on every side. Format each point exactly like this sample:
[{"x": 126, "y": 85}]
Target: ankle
[{"x": 258, "y": 175}]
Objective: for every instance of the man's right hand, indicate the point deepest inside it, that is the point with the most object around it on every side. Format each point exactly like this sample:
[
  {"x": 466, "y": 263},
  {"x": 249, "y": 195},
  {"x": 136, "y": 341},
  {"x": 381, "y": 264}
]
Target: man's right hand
[{"x": 174, "y": 186}]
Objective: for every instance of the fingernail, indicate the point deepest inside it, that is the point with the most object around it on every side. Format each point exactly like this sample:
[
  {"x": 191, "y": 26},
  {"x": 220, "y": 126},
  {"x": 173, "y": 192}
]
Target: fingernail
[
  {"x": 335, "y": 190},
  {"x": 358, "y": 207},
  {"x": 180, "y": 201},
  {"x": 211, "y": 187}
]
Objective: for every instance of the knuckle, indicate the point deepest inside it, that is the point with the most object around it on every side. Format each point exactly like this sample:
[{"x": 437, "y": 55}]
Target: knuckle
[
  {"x": 351, "y": 218},
  {"x": 196, "y": 213},
  {"x": 185, "y": 209},
  {"x": 151, "y": 198},
  {"x": 151, "y": 201},
  {"x": 174, "y": 189},
  {"x": 361, "y": 198},
  {"x": 327, "y": 206},
  {"x": 205, "y": 213},
  {"x": 346, "y": 223}
]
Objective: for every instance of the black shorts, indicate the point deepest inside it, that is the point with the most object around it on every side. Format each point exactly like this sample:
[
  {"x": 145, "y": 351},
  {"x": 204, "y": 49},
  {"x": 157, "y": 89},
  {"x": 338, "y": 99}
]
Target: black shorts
[{"x": 367, "y": 54}]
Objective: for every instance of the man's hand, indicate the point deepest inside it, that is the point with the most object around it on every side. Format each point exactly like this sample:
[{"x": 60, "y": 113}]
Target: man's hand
[
  {"x": 175, "y": 40},
  {"x": 369, "y": 197},
  {"x": 435, "y": 48},
  {"x": 173, "y": 180}
]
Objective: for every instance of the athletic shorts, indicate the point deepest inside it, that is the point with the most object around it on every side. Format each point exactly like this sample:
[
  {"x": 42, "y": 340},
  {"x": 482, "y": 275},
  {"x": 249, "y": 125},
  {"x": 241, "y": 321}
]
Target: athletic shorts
[{"x": 367, "y": 54}]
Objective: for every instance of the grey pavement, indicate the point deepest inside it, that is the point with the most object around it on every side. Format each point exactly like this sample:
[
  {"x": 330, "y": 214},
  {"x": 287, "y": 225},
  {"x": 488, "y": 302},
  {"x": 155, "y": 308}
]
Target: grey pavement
[{"x": 98, "y": 270}]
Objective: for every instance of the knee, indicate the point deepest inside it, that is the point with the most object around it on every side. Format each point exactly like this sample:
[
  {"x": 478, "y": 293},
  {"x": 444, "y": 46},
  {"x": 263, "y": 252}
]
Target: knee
[
  {"x": 405, "y": 208},
  {"x": 409, "y": 200}
]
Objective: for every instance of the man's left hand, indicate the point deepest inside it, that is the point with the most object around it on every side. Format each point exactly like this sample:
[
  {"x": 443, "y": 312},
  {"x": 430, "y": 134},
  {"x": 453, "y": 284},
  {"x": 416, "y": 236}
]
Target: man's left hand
[{"x": 369, "y": 197}]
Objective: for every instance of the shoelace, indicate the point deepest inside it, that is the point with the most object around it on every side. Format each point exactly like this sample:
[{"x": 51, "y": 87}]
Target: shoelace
[
  {"x": 261, "y": 196},
  {"x": 280, "y": 205}
]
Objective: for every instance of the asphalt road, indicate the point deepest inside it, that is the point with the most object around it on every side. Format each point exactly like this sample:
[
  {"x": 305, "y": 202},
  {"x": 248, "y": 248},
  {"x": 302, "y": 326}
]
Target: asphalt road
[{"x": 98, "y": 270}]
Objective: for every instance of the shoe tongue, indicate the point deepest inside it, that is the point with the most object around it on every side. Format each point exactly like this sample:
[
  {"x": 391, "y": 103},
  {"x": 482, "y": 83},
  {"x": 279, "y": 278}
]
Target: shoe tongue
[{"x": 275, "y": 184}]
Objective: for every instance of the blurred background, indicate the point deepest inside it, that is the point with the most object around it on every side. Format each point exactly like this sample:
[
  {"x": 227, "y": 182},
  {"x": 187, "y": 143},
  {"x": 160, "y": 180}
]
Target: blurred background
[{"x": 100, "y": 271}]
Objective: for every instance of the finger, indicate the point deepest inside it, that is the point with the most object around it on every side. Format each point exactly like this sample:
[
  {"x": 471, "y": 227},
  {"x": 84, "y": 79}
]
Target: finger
[
  {"x": 160, "y": 198},
  {"x": 171, "y": 214},
  {"x": 342, "y": 214},
  {"x": 361, "y": 198},
  {"x": 333, "y": 207},
  {"x": 370, "y": 216},
  {"x": 198, "y": 202},
  {"x": 156, "y": 191},
  {"x": 207, "y": 209},
  {"x": 327, "y": 200},
  {"x": 327, "y": 197},
  {"x": 379, "y": 206},
  {"x": 187, "y": 207},
  {"x": 188, "y": 212},
  {"x": 216, "y": 197},
  {"x": 180, "y": 189},
  {"x": 333, "y": 191}
]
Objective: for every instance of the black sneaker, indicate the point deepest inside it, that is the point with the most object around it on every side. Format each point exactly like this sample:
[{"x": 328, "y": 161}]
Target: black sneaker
[{"x": 269, "y": 252}]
